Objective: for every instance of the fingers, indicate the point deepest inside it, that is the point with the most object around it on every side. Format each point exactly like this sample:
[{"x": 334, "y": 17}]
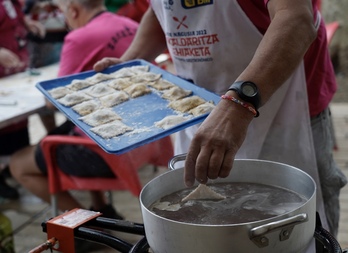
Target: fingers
[
  {"x": 41, "y": 31},
  {"x": 36, "y": 28},
  {"x": 207, "y": 165},
  {"x": 208, "y": 160},
  {"x": 215, "y": 144},
  {"x": 105, "y": 63},
  {"x": 203, "y": 163},
  {"x": 10, "y": 60},
  {"x": 227, "y": 164},
  {"x": 215, "y": 163},
  {"x": 190, "y": 165}
]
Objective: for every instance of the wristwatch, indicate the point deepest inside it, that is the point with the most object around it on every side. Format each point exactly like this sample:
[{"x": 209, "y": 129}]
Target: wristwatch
[{"x": 248, "y": 92}]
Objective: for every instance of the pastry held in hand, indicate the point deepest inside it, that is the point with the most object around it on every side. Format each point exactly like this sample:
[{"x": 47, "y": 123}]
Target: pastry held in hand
[{"x": 203, "y": 192}]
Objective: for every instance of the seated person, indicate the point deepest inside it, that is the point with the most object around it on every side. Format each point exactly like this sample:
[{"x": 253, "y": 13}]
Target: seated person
[
  {"x": 14, "y": 58},
  {"x": 45, "y": 50},
  {"x": 83, "y": 46}
]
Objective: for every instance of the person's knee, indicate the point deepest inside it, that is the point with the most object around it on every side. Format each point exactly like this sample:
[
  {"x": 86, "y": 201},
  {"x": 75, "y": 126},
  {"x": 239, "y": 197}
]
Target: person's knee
[
  {"x": 21, "y": 162},
  {"x": 15, "y": 164}
]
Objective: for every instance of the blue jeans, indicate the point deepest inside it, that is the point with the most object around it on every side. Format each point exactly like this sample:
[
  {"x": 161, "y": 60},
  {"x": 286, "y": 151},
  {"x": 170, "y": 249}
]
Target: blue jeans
[{"x": 331, "y": 177}]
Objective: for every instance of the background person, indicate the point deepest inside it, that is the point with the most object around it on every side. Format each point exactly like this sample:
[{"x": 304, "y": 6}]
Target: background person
[
  {"x": 14, "y": 58},
  {"x": 83, "y": 46},
  {"x": 45, "y": 50}
]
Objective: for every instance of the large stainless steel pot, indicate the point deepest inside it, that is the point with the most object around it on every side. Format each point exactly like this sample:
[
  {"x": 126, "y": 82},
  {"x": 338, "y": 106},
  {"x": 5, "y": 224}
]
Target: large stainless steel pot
[{"x": 287, "y": 233}]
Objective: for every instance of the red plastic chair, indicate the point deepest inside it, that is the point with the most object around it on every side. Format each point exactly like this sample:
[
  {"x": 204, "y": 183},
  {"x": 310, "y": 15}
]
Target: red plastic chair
[{"x": 125, "y": 166}]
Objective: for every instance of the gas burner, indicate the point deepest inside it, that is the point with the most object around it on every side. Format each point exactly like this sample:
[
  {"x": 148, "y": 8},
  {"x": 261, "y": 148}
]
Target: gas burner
[{"x": 87, "y": 225}]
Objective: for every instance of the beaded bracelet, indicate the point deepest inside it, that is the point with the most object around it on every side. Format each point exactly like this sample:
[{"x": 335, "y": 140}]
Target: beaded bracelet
[{"x": 237, "y": 101}]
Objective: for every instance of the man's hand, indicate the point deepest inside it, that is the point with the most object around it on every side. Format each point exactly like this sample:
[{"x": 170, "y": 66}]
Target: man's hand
[
  {"x": 8, "y": 59},
  {"x": 35, "y": 27},
  {"x": 216, "y": 143},
  {"x": 106, "y": 62}
]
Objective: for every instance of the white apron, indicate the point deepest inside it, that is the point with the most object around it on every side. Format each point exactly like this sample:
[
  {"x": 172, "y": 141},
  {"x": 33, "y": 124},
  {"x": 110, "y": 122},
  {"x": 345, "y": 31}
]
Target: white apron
[{"x": 282, "y": 133}]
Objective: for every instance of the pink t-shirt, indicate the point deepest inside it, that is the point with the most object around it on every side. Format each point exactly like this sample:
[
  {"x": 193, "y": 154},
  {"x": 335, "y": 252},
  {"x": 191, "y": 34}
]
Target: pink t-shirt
[
  {"x": 320, "y": 76},
  {"x": 106, "y": 35}
]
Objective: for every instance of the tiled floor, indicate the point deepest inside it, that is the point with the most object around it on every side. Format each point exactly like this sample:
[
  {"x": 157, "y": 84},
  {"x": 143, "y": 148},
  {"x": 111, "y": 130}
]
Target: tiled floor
[{"x": 28, "y": 213}]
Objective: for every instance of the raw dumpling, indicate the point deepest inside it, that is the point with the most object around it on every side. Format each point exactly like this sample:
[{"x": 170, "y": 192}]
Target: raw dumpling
[
  {"x": 137, "y": 90},
  {"x": 176, "y": 93},
  {"x": 203, "y": 192},
  {"x": 170, "y": 121},
  {"x": 86, "y": 107},
  {"x": 59, "y": 92},
  {"x": 123, "y": 73},
  {"x": 145, "y": 77},
  {"x": 74, "y": 98},
  {"x": 77, "y": 84},
  {"x": 99, "y": 90},
  {"x": 114, "y": 98},
  {"x": 100, "y": 117},
  {"x": 99, "y": 77},
  {"x": 186, "y": 104},
  {"x": 111, "y": 129},
  {"x": 161, "y": 84},
  {"x": 202, "y": 109},
  {"x": 140, "y": 68},
  {"x": 130, "y": 71},
  {"x": 120, "y": 83}
]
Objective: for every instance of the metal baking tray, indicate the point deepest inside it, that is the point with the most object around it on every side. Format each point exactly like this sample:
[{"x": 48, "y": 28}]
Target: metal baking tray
[{"x": 140, "y": 113}]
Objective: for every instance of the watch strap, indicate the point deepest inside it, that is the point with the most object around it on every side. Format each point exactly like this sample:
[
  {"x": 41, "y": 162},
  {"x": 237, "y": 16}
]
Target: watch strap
[{"x": 254, "y": 100}]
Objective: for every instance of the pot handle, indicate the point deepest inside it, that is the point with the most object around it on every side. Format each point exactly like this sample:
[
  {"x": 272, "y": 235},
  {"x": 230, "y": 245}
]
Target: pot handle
[
  {"x": 175, "y": 159},
  {"x": 258, "y": 234}
]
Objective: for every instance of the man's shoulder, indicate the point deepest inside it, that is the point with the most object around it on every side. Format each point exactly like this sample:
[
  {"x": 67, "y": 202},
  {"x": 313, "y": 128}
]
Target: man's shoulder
[{"x": 113, "y": 16}]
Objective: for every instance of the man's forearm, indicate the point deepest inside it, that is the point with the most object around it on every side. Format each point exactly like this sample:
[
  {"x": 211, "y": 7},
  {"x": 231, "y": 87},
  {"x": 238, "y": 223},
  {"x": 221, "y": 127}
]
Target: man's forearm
[
  {"x": 149, "y": 41},
  {"x": 281, "y": 49}
]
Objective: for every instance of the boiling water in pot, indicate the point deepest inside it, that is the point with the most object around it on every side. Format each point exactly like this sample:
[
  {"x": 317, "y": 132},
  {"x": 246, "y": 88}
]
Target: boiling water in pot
[{"x": 244, "y": 202}]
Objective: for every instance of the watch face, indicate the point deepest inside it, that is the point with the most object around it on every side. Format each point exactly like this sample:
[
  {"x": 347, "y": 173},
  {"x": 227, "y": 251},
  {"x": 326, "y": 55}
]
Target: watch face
[{"x": 248, "y": 89}]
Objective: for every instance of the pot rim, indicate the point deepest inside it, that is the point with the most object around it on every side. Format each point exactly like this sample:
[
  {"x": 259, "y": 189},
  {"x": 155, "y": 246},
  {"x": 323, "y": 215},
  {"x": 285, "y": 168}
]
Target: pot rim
[{"x": 252, "y": 223}]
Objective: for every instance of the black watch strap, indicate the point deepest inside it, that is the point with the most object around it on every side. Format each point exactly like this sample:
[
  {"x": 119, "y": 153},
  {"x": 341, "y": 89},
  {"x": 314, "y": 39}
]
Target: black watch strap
[{"x": 248, "y": 92}]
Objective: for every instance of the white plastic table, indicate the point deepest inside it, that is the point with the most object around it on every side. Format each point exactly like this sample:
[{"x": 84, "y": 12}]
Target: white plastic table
[{"x": 19, "y": 98}]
